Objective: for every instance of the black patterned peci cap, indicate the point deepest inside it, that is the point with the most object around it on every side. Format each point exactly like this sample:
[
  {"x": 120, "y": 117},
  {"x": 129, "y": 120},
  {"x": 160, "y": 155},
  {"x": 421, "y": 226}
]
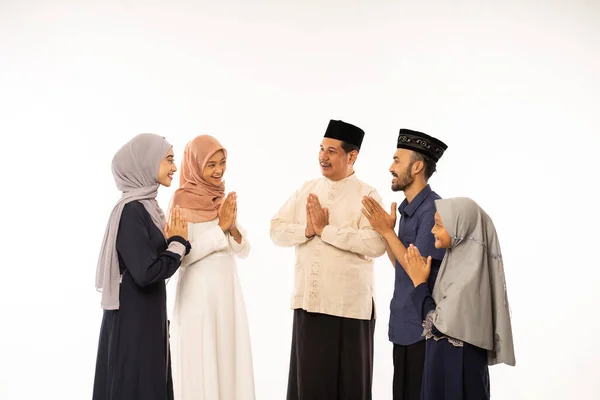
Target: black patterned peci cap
[{"x": 422, "y": 143}]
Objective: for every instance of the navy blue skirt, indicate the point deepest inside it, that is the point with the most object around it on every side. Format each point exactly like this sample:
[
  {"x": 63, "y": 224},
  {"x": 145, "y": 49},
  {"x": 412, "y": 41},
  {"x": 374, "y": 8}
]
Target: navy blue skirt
[{"x": 455, "y": 373}]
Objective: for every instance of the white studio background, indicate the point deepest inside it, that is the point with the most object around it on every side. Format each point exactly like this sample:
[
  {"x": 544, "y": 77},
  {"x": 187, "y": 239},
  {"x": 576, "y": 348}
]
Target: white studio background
[{"x": 512, "y": 88}]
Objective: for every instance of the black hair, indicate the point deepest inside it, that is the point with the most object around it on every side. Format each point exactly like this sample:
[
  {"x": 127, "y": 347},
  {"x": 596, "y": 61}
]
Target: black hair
[
  {"x": 348, "y": 147},
  {"x": 429, "y": 165}
]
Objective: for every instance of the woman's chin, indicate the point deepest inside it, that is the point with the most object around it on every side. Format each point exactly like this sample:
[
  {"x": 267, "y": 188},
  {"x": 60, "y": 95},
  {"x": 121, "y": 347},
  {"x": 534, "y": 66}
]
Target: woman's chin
[{"x": 166, "y": 182}]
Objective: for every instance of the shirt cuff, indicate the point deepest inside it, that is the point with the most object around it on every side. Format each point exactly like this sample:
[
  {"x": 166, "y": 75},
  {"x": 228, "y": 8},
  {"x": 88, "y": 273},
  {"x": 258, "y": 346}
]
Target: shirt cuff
[
  {"x": 181, "y": 240},
  {"x": 177, "y": 248},
  {"x": 329, "y": 233},
  {"x": 300, "y": 234}
]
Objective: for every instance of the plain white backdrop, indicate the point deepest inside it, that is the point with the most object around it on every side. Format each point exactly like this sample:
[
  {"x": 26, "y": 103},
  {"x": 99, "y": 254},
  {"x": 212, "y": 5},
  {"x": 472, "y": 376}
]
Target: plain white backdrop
[{"x": 511, "y": 87}]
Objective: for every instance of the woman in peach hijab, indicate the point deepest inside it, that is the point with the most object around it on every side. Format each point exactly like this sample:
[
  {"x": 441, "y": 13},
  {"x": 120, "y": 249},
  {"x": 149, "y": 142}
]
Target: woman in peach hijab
[{"x": 210, "y": 340}]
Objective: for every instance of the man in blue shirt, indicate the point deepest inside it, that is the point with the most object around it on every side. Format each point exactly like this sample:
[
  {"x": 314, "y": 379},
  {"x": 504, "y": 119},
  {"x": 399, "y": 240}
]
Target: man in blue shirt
[{"x": 414, "y": 163}]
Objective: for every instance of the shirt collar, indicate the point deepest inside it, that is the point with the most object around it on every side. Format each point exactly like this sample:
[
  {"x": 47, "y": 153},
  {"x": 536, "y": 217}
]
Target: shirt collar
[
  {"x": 410, "y": 208},
  {"x": 341, "y": 182}
]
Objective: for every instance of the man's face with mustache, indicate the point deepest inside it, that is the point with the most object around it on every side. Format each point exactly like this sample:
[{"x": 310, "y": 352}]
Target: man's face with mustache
[
  {"x": 401, "y": 170},
  {"x": 334, "y": 161}
]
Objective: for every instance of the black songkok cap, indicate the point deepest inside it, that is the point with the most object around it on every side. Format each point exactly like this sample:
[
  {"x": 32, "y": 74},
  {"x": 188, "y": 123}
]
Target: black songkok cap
[
  {"x": 422, "y": 143},
  {"x": 345, "y": 132}
]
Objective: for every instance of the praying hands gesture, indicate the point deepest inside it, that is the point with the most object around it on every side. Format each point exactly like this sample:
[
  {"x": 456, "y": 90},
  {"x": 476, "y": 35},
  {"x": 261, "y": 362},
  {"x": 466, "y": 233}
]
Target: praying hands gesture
[
  {"x": 233, "y": 230},
  {"x": 317, "y": 217},
  {"x": 177, "y": 225},
  {"x": 417, "y": 267},
  {"x": 381, "y": 221},
  {"x": 227, "y": 213}
]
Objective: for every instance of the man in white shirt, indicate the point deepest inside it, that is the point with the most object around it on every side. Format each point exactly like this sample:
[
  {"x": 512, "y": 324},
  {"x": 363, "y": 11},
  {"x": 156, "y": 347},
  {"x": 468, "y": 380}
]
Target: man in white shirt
[{"x": 334, "y": 310}]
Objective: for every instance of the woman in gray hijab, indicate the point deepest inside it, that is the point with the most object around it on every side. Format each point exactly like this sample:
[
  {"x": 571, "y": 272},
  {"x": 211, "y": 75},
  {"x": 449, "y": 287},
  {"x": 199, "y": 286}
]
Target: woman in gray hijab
[
  {"x": 466, "y": 319},
  {"x": 140, "y": 250}
]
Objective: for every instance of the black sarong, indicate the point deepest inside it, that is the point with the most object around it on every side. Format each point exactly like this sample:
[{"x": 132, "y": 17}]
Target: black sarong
[{"x": 332, "y": 357}]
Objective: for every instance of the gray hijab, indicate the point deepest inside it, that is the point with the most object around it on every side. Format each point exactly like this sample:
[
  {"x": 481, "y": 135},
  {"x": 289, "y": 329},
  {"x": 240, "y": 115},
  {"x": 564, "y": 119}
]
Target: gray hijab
[
  {"x": 135, "y": 169},
  {"x": 470, "y": 290}
]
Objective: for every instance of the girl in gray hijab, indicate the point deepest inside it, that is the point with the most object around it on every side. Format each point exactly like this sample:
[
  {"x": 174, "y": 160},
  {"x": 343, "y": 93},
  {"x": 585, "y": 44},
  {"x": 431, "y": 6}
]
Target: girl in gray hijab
[
  {"x": 466, "y": 319},
  {"x": 139, "y": 251}
]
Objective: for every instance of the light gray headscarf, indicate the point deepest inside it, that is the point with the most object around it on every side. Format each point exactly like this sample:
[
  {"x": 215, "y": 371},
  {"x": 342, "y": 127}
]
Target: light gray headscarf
[
  {"x": 135, "y": 169},
  {"x": 470, "y": 290}
]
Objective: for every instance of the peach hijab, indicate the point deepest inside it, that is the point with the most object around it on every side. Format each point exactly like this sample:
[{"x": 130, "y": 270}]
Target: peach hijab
[{"x": 198, "y": 199}]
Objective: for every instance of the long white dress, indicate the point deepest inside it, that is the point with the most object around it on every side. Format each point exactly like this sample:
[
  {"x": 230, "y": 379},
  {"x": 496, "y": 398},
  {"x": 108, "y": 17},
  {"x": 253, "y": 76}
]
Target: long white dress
[{"x": 210, "y": 339}]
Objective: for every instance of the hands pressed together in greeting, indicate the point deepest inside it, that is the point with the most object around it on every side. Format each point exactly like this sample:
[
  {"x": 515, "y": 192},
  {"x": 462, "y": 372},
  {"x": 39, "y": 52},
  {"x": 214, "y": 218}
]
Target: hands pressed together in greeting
[
  {"x": 177, "y": 225},
  {"x": 381, "y": 221},
  {"x": 417, "y": 267},
  {"x": 317, "y": 217},
  {"x": 228, "y": 216}
]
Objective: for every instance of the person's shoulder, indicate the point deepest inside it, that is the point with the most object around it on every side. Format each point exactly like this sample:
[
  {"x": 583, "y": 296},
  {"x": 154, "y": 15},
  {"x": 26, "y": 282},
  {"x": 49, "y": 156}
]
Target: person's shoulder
[
  {"x": 427, "y": 208},
  {"x": 363, "y": 184},
  {"x": 133, "y": 206},
  {"x": 433, "y": 196},
  {"x": 134, "y": 210},
  {"x": 133, "y": 216},
  {"x": 366, "y": 189}
]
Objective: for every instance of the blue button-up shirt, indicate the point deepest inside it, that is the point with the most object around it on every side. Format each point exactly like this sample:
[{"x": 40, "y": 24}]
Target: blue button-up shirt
[{"x": 416, "y": 222}]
